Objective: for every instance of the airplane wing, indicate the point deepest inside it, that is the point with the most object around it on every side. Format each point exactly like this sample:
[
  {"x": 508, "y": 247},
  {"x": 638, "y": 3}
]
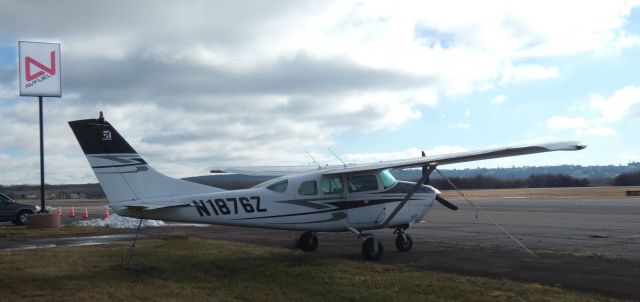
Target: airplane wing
[
  {"x": 274, "y": 171},
  {"x": 460, "y": 157}
]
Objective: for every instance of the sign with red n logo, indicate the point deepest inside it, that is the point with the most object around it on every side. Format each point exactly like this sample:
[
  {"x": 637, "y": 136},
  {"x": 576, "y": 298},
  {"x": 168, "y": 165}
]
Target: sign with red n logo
[{"x": 40, "y": 69}]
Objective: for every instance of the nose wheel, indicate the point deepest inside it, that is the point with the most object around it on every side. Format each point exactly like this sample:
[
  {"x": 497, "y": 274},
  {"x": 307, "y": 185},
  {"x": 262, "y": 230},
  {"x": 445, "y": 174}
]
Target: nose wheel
[
  {"x": 404, "y": 243},
  {"x": 308, "y": 241}
]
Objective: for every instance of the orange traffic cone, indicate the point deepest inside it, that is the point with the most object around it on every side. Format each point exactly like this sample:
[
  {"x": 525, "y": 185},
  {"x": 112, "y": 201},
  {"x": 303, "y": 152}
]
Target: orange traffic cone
[
  {"x": 85, "y": 214},
  {"x": 106, "y": 215},
  {"x": 72, "y": 213},
  {"x": 59, "y": 211}
]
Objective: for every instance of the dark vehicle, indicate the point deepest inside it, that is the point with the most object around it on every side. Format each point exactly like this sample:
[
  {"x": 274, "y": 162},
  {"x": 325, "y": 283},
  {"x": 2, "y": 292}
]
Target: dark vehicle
[{"x": 15, "y": 212}]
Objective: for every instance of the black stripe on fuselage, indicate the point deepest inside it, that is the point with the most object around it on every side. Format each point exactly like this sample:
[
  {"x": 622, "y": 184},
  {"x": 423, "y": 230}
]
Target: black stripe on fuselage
[{"x": 340, "y": 206}]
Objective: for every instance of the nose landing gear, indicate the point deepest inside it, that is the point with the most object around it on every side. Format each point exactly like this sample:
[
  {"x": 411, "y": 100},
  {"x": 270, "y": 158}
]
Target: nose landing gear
[{"x": 404, "y": 243}]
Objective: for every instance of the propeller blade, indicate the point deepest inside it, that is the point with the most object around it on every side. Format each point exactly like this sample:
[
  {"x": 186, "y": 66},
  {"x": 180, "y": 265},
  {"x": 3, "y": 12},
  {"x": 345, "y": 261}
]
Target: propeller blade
[
  {"x": 425, "y": 171},
  {"x": 445, "y": 203}
]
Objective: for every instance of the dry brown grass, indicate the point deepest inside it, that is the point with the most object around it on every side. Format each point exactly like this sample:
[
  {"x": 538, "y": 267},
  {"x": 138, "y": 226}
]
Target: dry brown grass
[
  {"x": 207, "y": 270},
  {"x": 544, "y": 193}
]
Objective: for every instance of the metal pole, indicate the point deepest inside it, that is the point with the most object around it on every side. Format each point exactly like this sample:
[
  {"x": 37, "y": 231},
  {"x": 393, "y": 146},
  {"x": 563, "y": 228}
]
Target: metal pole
[{"x": 42, "y": 208}]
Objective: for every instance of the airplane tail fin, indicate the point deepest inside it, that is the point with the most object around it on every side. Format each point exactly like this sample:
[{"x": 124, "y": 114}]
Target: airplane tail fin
[{"x": 125, "y": 177}]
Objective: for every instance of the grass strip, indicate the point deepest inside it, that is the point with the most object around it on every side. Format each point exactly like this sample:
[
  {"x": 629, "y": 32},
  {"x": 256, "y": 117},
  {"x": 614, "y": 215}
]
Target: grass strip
[{"x": 207, "y": 270}]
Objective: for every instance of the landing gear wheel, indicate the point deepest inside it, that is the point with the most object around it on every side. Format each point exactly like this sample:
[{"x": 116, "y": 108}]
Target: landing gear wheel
[
  {"x": 308, "y": 241},
  {"x": 404, "y": 243},
  {"x": 370, "y": 252}
]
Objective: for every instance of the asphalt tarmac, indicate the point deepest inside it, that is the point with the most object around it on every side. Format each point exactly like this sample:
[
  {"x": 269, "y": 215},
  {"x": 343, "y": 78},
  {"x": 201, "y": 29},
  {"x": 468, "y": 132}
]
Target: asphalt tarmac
[{"x": 586, "y": 227}]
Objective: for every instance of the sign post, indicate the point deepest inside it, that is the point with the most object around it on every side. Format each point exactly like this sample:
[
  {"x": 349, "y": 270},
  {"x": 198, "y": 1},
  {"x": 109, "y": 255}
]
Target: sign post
[{"x": 40, "y": 75}]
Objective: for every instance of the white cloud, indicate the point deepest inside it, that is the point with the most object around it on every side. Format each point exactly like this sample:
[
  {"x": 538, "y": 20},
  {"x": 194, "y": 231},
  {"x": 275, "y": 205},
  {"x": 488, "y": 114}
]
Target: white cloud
[
  {"x": 600, "y": 131},
  {"x": 251, "y": 82},
  {"x": 622, "y": 104},
  {"x": 515, "y": 74},
  {"x": 499, "y": 99},
  {"x": 563, "y": 122}
]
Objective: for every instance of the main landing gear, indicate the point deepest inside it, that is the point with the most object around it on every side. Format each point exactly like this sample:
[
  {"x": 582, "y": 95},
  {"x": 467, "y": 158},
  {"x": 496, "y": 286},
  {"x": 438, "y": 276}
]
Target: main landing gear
[
  {"x": 372, "y": 248},
  {"x": 308, "y": 241}
]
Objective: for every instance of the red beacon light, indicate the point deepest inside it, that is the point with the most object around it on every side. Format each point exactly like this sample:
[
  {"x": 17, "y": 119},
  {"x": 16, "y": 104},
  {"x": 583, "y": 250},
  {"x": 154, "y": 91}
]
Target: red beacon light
[{"x": 101, "y": 118}]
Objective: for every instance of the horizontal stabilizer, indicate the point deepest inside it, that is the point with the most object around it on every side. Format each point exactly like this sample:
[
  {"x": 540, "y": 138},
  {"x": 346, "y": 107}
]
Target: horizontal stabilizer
[{"x": 146, "y": 206}]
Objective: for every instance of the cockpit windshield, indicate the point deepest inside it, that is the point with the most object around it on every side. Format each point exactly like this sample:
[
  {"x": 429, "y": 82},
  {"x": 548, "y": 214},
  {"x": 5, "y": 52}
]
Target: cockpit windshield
[{"x": 387, "y": 179}]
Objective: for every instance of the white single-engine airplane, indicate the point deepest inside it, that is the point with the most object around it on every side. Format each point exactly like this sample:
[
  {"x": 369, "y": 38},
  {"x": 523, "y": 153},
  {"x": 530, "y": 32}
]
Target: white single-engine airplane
[{"x": 351, "y": 198}]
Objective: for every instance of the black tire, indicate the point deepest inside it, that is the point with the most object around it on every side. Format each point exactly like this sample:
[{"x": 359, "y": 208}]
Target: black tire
[
  {"x": 368, "y": 250},
  {"x": 404, "y": 245},
  {"x": 308, "y": 242},
  {"x": 22, "y": 217}
]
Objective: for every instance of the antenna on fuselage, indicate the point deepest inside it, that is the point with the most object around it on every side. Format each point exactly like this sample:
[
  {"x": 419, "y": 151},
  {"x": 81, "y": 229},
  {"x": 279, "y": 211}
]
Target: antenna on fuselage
[
  {"x": 338, "y": 157},
  {"x": 313, "y": 159}
]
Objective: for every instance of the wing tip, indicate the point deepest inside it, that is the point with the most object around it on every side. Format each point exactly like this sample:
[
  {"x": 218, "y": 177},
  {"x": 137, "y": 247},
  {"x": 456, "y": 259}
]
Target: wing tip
[{"x": 566, "y": 146}]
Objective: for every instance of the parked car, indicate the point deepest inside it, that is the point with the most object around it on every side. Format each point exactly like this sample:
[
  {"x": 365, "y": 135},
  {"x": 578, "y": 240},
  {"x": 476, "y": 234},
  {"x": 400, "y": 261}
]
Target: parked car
[{"x": 15, "y": 212}]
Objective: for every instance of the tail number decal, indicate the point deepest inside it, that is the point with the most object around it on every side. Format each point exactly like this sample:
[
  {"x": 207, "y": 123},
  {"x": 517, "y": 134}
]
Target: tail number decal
[{"x": 228, "y": 206}]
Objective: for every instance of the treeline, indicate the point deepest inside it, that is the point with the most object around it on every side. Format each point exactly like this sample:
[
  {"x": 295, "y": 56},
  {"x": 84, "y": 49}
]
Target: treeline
[
  {"x": 627, "y": 179},
  {"x": 490, "y": 182},
  {"x": 89, "y": 191}
]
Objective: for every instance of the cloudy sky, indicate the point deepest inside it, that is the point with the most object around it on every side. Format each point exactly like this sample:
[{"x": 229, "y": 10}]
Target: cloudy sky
[{"x": 195, "y": 85}]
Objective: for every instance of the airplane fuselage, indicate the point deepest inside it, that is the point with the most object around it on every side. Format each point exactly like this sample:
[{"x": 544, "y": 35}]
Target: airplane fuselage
[{"x": 264, "y": 208}]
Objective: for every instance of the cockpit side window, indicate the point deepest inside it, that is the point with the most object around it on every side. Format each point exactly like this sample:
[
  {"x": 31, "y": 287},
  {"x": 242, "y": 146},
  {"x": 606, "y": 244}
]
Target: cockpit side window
[
  {"x": 279, "y": 187},
  {"x": 332, "y": 185},
  {"x": 387, "y": 179},
  {"x": 308, "y": 188},
  {"x": 362, "y": 183}
]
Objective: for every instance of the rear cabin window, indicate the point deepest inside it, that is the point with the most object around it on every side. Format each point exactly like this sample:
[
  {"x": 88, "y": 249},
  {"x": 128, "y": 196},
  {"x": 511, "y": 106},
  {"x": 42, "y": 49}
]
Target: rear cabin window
[
  {"x": 308, "y": 188},
  {"x": 332, "y": 185},
  {"x": 363, "y": 183},
  {"x": 279, "y": 187}
]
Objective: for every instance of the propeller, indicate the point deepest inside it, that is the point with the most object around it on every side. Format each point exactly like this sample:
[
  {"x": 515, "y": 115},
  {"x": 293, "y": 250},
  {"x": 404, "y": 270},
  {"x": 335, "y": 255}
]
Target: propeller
[
  {"x": 426, "y": 170},
  {"x": 446, "y": 203}
]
